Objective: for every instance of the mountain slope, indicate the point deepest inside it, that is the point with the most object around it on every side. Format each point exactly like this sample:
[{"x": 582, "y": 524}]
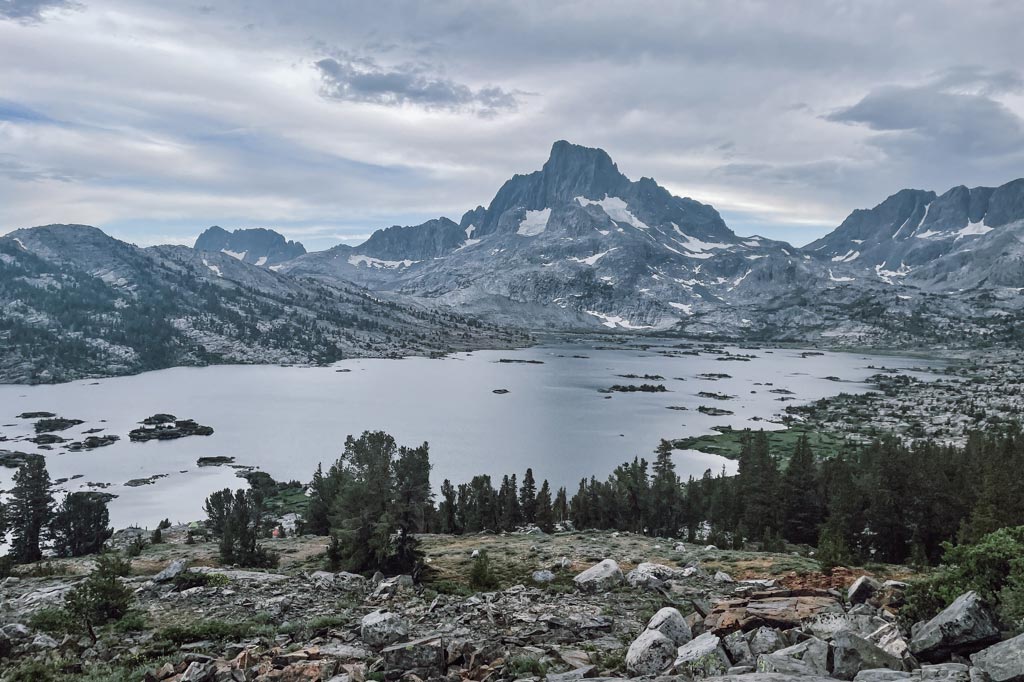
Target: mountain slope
[
  {"x": 76, "y": 302},
  {"x": 256, "y": 246}
]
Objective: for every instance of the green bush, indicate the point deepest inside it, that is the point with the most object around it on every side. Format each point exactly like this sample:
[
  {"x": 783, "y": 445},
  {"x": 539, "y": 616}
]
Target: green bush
[
  {"x": 55, "y": 621},
  {"x": 993, "y": 567},
  {"x": 481, "y": 576},
  {"x": 100, "y": 598}
]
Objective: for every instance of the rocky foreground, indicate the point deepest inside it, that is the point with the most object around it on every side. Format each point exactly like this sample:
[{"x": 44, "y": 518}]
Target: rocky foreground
[{"x": 568, "y": 618}]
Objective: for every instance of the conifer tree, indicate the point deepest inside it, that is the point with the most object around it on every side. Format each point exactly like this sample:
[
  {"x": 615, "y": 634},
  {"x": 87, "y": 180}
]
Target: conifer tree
[
  {"x": 80, "y": 525},
  {"x": 666, "y": 516},
  {"x": 545, "y": 513},
  {"x": 528, "y": 498},
  {"x": 801, "y": 500},
  {"x": 29, "y": 509}
]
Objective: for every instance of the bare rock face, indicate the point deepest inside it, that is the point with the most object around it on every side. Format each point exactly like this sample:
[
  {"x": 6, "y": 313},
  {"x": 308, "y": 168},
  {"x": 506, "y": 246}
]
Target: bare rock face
[
  {"x": 965, "y": 626},
  {"x": 863, "y": 589},
  {"x": 810, "y": 657},
  {"x": 600, "y": 577},
  {"x": 1003, "y": 662}
]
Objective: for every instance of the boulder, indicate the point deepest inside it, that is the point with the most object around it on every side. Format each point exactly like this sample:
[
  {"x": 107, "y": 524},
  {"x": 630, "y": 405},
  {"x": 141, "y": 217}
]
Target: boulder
[
  {"x": 380, "y": 628},
  {"x": 647, "y": 573},
  {"x": 809, "y": 657},
  {"x": 1003, "y": 662},
  {"x": 862, "y": 589},
  {"x": 171, "y": 571},
  {"x": 600, "y": 577},
  {"x": 669, "y": 622},
  {"x": 43, "y": 641},
  {"x": 765, "y": 640},
  {"x": 738, "y": 649},
  {"x": 650, "y": 654},
  {"x": 771, "y": 677},
  {"x": 826, "y": 625},
  {"x": 542, "y": 576},
  {"x": 964, "y": 627},
  {"x": 422, "y": 657},
  {"x": 723, "y": 577},
  {"x": 889, "y": 639},
  {"x": 851, "y": 654},
  {"x": 702, "y": 657}
]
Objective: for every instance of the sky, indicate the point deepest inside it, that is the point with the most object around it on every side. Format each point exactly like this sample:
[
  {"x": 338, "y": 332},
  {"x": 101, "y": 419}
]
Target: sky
[{"x": 327, "y": 119}]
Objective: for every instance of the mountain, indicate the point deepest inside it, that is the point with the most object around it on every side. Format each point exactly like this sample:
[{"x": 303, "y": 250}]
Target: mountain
[
  {"x": 578, "y": 245},
  {"x": 77, "y": 303},
  {"x": 963, "y": 238},
  {"x": 256, "y": 246},
  {"x": 574, "y": 244}
]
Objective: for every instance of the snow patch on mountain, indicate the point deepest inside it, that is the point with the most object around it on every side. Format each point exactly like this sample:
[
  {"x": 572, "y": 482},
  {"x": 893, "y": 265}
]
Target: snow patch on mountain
[
  {"x": 378, "y": 263},
  {"x": 591, "y": 260},
  {"x": 616, "y": 209},
  {"x": 235, "y": 254},
  {"x": 615, "y": 321},
  {"x": 534, "y": 223}
]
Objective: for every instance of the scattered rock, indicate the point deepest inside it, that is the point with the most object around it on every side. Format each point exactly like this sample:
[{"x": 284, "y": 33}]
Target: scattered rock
[
  {"x": 702, "y": 657},
  {"x": 652, "y": 653},
  {"x": 1003, "y": 662},
  {"x": 424, "y": 658},
  {"x": 381, "y": 628},
  {"x": 863, "y": 589},
  {"x": 852, "y": 654},
  {"x": 172, "y": 571},
  {"x": 965, "y": 626},
  {"x": 600, "y": 577}
]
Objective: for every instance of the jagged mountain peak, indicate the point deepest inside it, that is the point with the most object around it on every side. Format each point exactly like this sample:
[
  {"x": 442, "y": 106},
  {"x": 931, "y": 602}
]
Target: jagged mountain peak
[{"x": 257, "y": 246}]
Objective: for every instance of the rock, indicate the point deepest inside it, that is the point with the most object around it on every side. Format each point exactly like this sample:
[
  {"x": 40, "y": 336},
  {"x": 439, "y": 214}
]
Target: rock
[
  {"x": 669, "y": 622},
  {"x": 600, "y": 577},
  {"x": 882, "y": 675},
  {"x": 723, "y": 577},
  {"x": 650, "y": 654},
  {"x": 322, "y": 578},
  {"x": 380, "y": 628},
  {"x": 44, "y": 641},
  {"x": 702, "y": 657},
  {"x": 581, "y": 673},
  {"x": 787, "y": 610},
  {"x": 862, "y": 589},
  {"x": 765, "y": 640},
  {"x": 826, "y": 625},
  {"x": 15, "y": 632},
  {"x": 771, "y": 677},
  {"x": 965, "y": 626},
  {"x": 542, "y": 576},
  {"x": 888, "y": 638},
  {"x": 851, "y": 654},
  {"x": 738, "y": 648},
  {"x": 171, "y": 571},
  {"x": 1003, "y": 662},
  {"x": 422, "y": 657},
  {"x": 810, "y": 657},
  {"x": 945, "y": 672},
  {"x": 197, "y": 672},
  {"x": 647, "y": 573}
]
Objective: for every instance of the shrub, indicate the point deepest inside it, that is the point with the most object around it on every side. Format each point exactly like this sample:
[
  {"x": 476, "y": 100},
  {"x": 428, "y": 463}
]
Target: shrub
[
  {"x": 481, "y": 576},
  {"x": 993, "y": 567},
  {"x": 237, "y": 520},
  {"x": 53, "y": 620},
  {"x": 100, "y": 598}
]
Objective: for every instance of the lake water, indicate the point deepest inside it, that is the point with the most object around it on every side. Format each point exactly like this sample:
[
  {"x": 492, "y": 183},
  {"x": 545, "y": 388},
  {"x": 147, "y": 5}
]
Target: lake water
[{"x": 285, "y": 420}]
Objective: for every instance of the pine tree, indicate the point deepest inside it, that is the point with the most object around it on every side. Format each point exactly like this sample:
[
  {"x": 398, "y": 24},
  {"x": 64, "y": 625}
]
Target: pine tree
[
  {"x": 29, "y": 509},
  {"x": 801, "y": 500},
  {"x": 666, "y": 510},
  {"x": 80, "y": 525},
  {"x": 561, "y": 506},
  {"x": 545, "y": 513},
  {"x": 447, "y": 519},
  {"x": 528, "y": 498}
]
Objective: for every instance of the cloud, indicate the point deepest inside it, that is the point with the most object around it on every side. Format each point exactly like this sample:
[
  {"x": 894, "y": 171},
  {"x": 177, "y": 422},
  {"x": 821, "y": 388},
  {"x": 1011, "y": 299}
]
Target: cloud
[
  {"x": 364, "y": 80},
  {"x": 954, "y": 115},
  {"x": 31, "y": 10}
]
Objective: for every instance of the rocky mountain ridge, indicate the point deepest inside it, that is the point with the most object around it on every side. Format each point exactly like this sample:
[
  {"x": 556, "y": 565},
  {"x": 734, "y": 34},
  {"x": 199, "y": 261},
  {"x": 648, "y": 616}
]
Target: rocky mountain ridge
[
  {"x": 257, "y": 246},
  {"x": 577, "y": 244},
  {"x": 79, "y": 303}
]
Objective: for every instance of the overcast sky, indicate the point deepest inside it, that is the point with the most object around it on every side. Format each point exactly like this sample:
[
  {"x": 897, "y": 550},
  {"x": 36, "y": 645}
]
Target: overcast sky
[{"x": 327, "y": 120}]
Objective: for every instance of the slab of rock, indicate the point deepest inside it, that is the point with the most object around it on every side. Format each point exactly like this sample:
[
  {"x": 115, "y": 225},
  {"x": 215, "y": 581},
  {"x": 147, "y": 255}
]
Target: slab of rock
[
  {"x": 600, "y": 577},
  {"x": 702, "y": 657},
  {"x": 422, "y": 657},
  {"x": 964, "y": 627},
  {"x": 882, "y": 675},
  {"x": 862, "y": 589},
  {"x": 851, "y": 654},
  {"x": 786, "y": 611},
  {"x": 738, "y": 649},
  {"x": 647, "y": 573},
  {"x": 650, "y": 654},
  {"x": 825, "y": 625},
  {"x": 669, "y": 622},
  {"x": 810, "y": 657},
  {"x": 1003, "y": 662},
  {"x": 945, "y": 672},
  {"x": 380, "y": 628},
  {"x": 770, "y": 677},
  {"x": 171, "y": 571}
]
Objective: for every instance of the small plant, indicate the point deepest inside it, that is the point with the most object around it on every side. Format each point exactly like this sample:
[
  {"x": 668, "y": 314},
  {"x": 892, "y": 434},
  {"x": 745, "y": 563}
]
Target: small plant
[
  {"x": 136, "y": 546},
  {"x": 481, "y": 576},
  {"x": 157, "y": 537},
  {"x": 526, "y": 666},
  {"x": 100, "y": 598}
]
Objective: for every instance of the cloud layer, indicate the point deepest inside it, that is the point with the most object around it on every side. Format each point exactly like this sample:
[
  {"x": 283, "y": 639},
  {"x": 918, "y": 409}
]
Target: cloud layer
[{"x": 329, "y": 120}]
